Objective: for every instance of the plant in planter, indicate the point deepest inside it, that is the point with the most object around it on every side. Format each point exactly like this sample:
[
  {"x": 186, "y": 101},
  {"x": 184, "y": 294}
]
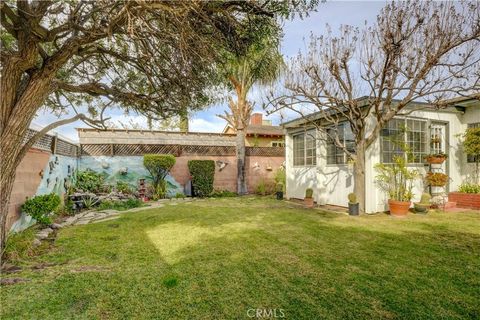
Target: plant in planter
[
  {"x": 397, "y": 181},
  {"x": 159, "y": 165},
  {"x": 309, "y": 198},
  {"x": 353, "y": 205},
  {"x": 424, "y": 204},
  {"x": 436, "y": 158},
  {"x": 41, "y": 208},
  {"x": 279, "y": 190},
  {"x": 436, "y": 179}
]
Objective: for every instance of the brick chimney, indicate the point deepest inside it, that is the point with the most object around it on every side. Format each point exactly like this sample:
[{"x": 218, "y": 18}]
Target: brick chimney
[{"x": 256, "y": 119}]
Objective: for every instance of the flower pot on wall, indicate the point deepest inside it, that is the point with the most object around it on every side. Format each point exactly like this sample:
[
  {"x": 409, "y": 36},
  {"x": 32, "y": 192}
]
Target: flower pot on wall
[
  {"x": 398, "y": 208},
  {"x": 308, "y": 202}
]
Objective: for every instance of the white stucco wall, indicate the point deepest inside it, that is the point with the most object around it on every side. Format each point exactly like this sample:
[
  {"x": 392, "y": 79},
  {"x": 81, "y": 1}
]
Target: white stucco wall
[{"x": 332, "y": 183}]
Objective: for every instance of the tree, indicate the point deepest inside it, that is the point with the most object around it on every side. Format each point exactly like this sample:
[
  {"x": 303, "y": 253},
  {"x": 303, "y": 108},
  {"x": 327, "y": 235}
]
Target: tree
[
  {"x": 145, "y": 56},
  {"x": 260, "y": 64},
  {"x": 415, "y": 51},
  {"x": 159, "y": 165}
]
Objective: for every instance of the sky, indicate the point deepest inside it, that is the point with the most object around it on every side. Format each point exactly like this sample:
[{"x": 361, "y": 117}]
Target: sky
[{"x": 296, "y": 35}]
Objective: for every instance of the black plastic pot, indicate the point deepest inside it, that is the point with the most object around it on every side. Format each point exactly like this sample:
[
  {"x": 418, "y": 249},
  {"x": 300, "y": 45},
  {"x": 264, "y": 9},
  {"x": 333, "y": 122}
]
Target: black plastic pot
[
  {"x": 279, "y": 195},
  {"x": 353, "y": 209}
]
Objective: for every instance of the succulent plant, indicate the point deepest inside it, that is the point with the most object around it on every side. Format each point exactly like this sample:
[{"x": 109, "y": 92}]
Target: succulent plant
[
  {"x": 309, "y": 193},
  {"x": 425, "y": 199},
  {"x": 352, "y": 198}
]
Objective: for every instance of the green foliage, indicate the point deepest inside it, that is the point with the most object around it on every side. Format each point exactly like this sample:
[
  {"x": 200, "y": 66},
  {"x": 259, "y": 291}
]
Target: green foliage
[
  {"x": 352, "y": 198},
  {"x": 90, "y": 181},
  {"x": 120, "y": 205},
  {"x": 223, "y": 194},
  {"x": 41, "y": 207},
  {"x": 436, "y": 179},
  {"x": 396, "y": 179},
  {"x": 281, "y": 177},
  {"x": 279, "y": 187},
  {"x": 19, "y": 245},
  {"x": 425, "y": 199},
  {"x": 261, "y": 188},
  {"x": 309, "y": 193},
  {"x": 202, "y": 172},
  {"x": 159, "y": 165},
  {"x": 469, "y": 188},
  {"x": 471, "y": 142},
  {"x": 179, "y": 195},
  {"x": 123, "y": 187},
  {"x": 89, "y": 202}
]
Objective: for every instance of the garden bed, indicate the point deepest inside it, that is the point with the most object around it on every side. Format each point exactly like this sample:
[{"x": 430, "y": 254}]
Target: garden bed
[{"x": 465, "y": 200}]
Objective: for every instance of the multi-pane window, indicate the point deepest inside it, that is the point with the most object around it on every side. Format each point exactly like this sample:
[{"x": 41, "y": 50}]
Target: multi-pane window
[
  {"x": 404, "y": 137},
  {"x": 304, "y": 149},
  {"x": 336, "y": 154},
  {"x": 470, "y": 158}
]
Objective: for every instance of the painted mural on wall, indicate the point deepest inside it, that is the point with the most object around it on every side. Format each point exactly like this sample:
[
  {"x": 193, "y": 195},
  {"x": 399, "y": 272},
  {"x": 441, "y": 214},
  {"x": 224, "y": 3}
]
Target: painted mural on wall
[
  {"x": 127, "y": 169},
  {"x": 56, "y": 175}
]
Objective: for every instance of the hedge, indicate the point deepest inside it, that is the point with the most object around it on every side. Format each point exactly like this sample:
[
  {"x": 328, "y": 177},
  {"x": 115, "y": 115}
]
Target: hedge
[
  {"x": 41, "y": 207},
  {"x": 202, "y": 172}
]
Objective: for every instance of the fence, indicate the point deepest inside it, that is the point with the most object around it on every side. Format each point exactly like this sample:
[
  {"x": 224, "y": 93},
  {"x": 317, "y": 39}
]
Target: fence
[
  {"x": 53, "y": 144},
  {"x": 177, "y": 150}
]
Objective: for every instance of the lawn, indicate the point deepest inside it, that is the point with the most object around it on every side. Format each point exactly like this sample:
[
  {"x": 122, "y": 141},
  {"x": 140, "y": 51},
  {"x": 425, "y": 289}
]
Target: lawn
[{"x": 219, "y": 258}]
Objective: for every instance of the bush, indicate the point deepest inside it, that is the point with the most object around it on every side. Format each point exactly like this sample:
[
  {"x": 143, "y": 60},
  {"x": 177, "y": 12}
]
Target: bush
[
  {"x": 90, "y": 181},
  {"x": 469, "y": 188},
  {"x": 159, "y": 165},
  {"x": 41, "y": 207},
  {"x": 120, "y": 205},
  {"x": 309, "y": 193},
  {"x": 202, "y": 172},
  {"x": 123, "y": 187}
]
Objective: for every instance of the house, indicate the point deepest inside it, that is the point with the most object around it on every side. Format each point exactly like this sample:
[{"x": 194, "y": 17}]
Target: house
[
  {"x": 261, "y": 132},
  {"x": 319, "y": 164}
]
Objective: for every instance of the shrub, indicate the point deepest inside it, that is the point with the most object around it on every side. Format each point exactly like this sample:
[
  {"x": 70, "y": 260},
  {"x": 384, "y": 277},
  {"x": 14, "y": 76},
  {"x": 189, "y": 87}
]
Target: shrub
[
  {"x": 309, "y": 193},
  {"x": 202, "y": 172},
  {"x": 396, "y": 179},
  {"x": 281, "y": 177},
  {"x": 179, "y": 195},
  {"x": 352, "y": 198},
  {"x": 261, "y": 188},
  {"x": 279, "y": 187},
  {"x": 469, "y": 188},
  {"x": 123, "y": 187},
  {"x": 159, "y": 165},
  {"x": 89, "y": 180},
  {"x": 471, "y": 144},
  {"x": 120, "y": 205},
  {"x": 41, "y": 207}
]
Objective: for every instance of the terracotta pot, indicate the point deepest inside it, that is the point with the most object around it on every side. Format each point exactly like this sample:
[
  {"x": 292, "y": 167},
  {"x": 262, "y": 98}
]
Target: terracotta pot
[
  {"x": 398, "y": 208},
  {"x": 435, "y": 160},
  {"x": 308, "y": 202}
]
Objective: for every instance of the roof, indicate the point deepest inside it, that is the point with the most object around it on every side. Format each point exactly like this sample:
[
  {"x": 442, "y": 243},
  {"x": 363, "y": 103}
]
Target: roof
[
  {"x": 264, "y": 130},
  {"x": 449, "y": 107},
  {"x": 261, "y": 130}
]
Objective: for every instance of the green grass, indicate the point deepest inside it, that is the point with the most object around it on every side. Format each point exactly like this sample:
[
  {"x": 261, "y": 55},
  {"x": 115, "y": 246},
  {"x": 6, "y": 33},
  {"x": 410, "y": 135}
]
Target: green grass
[{"x": 216, "y": 259}]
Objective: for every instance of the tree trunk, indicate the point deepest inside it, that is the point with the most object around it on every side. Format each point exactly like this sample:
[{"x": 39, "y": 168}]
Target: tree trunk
[
  {"x": 240, "y": 152},
  {"x": 359, "y": 175}
]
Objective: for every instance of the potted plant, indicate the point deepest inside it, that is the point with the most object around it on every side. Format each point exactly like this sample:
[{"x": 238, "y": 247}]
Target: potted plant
[
  {"x": 424, "y": 204},
  {"x": 397, "y": 181},
  {"x": 309, "y": 198},
  {"x": 353, "y": 205},
  {"x": 436, "y": 158},
  {"x": 279, "y": 190}
]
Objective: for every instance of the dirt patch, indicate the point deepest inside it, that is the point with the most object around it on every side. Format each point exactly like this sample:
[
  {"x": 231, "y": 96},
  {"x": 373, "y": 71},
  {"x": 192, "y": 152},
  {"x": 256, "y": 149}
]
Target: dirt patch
[
  {"x": 10, "y": 268},
  {"x": 10, "y": 281},
  {"x": 44, "y": 265}
]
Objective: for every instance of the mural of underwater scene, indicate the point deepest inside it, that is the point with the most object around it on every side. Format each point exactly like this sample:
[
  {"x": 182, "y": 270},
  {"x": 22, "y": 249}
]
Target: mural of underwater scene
[
  {"x": 57, "y": 175},
  {"x": 127, "y": 169}
]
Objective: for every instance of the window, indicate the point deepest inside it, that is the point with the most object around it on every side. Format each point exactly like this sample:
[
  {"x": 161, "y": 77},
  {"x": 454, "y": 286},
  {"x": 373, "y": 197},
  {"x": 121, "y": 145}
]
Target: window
[
  {"x": 335, "y": 154},
  {"x": 304, "y": 149},
  {"x": 470, "y": 158},
  {"x": 277, "y": 144},
  {"x": 401, "y": 134}
]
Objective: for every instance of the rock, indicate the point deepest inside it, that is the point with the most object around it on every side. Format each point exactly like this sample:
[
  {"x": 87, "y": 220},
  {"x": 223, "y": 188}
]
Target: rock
[
  {"x": 106, "y": 219},
  {"x": 47, "y": 230},
  {"x": 36, "y": 242},
  {"x": 9, "y": 281},
  {"x": 82, "y": 222},
  {"x": 55, "y": 226},
  {"x": 10, "y": 268}
]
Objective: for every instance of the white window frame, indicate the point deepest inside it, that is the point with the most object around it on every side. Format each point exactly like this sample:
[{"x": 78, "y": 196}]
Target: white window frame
[{"x": 312, "y": 158}]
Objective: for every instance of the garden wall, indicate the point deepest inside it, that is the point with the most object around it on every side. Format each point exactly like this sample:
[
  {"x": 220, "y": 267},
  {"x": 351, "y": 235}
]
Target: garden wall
[
  {"x": 465, "y": 200},
  {"x": 46, "y": 168}
]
